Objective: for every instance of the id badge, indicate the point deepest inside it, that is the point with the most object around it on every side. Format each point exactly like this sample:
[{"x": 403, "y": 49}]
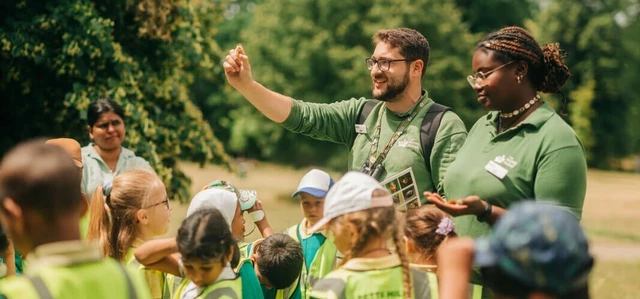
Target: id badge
[
  {"x": 361, "y": 129},
  {"x": 496, "y": 169}
]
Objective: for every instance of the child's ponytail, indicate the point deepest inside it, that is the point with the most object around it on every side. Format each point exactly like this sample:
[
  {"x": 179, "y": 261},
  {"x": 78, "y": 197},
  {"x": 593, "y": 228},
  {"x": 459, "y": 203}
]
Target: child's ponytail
[
  {"x": 99, "y": 222},
  {"x": 428, "y": 227},
  {"x": 396, "y": 232}
]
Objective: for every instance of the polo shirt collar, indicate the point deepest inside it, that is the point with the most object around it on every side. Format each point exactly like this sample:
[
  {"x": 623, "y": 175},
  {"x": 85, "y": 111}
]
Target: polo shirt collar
[
  {"x": 303, "y": 230},
  {"x": 62, "y": 254},
  {"x": 124, "y": 153},
  {"x": 425, "y": 94},
  {"x": 536, "y": 119},
  {"x": 365, "y": 264}
]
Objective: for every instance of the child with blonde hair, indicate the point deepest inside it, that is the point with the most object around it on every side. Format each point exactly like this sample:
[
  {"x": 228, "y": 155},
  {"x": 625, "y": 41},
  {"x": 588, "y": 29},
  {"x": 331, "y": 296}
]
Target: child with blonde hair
[
  {"x": 127, "y": 212},
  {"x": 359, "y": 212}
]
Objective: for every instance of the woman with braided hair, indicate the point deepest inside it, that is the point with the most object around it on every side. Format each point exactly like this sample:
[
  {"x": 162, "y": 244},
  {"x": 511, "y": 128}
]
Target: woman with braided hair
[{"x": 522, "y": 149}]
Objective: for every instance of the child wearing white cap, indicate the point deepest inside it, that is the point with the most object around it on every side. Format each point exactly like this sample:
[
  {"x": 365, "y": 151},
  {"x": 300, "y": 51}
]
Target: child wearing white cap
[
  {"x": 319, "y": 252},
  {"x": 359, "y": 212}
]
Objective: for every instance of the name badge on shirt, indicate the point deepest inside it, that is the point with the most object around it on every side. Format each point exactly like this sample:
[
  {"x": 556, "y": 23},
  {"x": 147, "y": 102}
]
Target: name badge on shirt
[
  {"x": 361, "y": 129},
  {"x": 497, "y": 170}
]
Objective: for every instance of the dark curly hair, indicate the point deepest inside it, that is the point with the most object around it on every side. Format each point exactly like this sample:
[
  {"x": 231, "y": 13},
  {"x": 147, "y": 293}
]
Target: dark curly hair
[{"x": 547, "y": 70}]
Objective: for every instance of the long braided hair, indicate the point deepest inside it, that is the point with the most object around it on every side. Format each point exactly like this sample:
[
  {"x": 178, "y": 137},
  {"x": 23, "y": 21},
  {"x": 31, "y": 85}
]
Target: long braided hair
[
  {"x": 547, "y": 70},
  {"x": 378, "y": 222}
]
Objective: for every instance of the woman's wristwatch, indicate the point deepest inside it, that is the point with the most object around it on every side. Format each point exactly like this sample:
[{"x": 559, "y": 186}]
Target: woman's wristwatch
[{"x": 484, "y": 216}]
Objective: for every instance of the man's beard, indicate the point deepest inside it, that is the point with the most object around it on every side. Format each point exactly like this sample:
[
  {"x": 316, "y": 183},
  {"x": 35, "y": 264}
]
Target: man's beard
[{"x": 394, "y": 90}]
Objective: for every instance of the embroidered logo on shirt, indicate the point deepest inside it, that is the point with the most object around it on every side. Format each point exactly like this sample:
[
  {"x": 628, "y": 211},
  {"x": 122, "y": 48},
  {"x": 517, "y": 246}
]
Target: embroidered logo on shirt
[
  {"x": 506, "y": 161},
  {"x": 410, "y": 143}
]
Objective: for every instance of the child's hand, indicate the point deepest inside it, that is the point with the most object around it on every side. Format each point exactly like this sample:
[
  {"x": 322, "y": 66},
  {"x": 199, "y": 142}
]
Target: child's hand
[{"x": 256, "y": 206}]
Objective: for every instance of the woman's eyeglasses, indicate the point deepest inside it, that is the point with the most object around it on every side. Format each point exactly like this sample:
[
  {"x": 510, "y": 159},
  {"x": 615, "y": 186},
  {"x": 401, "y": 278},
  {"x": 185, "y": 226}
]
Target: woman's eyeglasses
[{"x": 479, "y": 77}]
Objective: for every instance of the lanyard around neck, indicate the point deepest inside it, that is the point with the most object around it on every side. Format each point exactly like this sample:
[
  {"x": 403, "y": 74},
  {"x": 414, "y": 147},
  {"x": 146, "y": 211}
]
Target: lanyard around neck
[{"x": 376, "y": 134}]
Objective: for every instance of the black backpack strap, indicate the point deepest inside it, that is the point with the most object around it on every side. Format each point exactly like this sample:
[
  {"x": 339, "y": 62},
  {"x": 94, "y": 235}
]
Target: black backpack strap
[
  {"x": 366, "y": 110},
  {"x": 40, "y": 287},
  {"x": 429, "y": 129}
]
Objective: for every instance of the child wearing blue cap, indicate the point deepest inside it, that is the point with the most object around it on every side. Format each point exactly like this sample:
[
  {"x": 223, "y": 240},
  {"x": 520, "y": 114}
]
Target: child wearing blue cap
[
  {"x": 319, "y": 252},
  {"x": 534, "y": 251}
]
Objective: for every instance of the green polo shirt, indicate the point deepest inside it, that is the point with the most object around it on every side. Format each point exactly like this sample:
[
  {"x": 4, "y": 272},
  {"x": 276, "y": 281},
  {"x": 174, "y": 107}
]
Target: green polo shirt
[
  {"x": 542, "y": 155},
  {"x": 335, "y": 122}
]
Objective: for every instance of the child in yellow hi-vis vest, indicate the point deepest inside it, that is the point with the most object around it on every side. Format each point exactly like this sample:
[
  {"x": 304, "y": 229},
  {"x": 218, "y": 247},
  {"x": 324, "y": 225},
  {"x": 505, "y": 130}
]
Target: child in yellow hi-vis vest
[
  {"x": 126, "y": 212},
  {"x": 426, "y": 229},
  {"x": 202, "y": 254},
  {"x": 41, "y": 208},
  {"x": 360, "y": 214},
  {"x": 319, "y": 251}
]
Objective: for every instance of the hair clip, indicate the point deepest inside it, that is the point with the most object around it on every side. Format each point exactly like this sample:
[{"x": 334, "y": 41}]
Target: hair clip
[
  {"x": 445, "y": 226},
  {"x": 106, "y": 189}
]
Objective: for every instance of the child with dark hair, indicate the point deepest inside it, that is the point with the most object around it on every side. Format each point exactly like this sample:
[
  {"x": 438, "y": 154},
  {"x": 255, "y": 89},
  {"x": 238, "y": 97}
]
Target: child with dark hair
[
  {"x": 534, "y": 251},
  {"x": 202, "y": 253},
  {"x": 277, "y": 262}
]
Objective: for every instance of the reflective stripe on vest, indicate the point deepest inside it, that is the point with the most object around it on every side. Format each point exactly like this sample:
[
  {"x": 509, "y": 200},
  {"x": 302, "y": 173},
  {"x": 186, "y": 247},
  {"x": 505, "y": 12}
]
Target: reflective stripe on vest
[
  {"x": 40, "y": 287},
  {"x": 421, "y": 284},
  {"x": 43, "y": 291},
  {"x": 323, "y": 262},
  {"x": 231, "y": 288}
]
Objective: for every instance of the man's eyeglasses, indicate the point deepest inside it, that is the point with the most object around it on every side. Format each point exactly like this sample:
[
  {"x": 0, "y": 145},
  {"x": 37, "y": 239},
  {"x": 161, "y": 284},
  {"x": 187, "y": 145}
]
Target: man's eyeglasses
[
  {"x": 383, "y": 64},
  {"x": 479, "y": 77},
  {"x": 165, "y": 202}
]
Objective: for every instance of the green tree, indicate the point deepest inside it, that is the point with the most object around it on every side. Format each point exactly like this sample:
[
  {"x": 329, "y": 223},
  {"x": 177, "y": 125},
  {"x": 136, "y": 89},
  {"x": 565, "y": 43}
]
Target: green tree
[
  {"x": 600, "y": 38},
  {"x": 58, "y": 56},
  {"x": 315, "y": 51},
  {"x": 489, "y": 15}
]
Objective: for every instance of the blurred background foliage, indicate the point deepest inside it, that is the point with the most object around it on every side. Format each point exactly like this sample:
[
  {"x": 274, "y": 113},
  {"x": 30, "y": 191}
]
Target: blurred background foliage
[{"x": 161, "y": 60}]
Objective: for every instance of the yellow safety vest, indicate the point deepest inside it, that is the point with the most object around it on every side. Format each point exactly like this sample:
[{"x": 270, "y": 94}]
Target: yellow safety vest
[
  {"x": 475, "y": 291},
  {"x": 224, "y": 289},
  {"x": 101, "y": 280},
  {"x": 382, "y": 283},
  {"x": 152, "y": 277},
  {"x": 323, "y": 262}
]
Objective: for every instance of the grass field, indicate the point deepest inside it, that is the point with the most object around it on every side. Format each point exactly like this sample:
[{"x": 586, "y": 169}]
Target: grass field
[{"x": 611, "y": 217}]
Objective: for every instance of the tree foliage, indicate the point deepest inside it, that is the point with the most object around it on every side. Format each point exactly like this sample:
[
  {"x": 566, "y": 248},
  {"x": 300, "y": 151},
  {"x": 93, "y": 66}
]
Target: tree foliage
[
  {"x": 489, "y": 15},
  {"x": 600, "y": 37},
  {"x": 58, "y": 56}
]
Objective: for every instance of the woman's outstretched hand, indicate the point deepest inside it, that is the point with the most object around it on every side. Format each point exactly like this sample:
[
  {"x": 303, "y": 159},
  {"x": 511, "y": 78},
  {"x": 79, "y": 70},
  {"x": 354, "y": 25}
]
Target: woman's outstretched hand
[{"x": 471, "y": 205}]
